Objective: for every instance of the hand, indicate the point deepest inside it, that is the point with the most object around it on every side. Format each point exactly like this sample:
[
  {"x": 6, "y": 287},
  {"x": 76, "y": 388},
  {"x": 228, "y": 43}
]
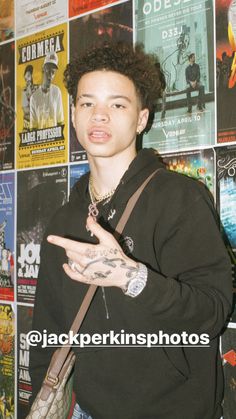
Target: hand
[{"x": 103, "y": 264}]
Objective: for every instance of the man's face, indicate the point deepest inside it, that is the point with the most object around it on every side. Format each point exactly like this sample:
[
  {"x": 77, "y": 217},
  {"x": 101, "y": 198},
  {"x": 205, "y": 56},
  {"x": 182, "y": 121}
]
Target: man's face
[
  {"x": 28, "y": 77},
  {"x": 107, "y": 114},
  {"x": 192, "y": 59},
  {"x": 49, "y": 71}
]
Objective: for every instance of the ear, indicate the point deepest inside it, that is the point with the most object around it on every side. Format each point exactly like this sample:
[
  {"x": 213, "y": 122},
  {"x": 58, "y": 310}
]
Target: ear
[{"x": 142, "y": 120}]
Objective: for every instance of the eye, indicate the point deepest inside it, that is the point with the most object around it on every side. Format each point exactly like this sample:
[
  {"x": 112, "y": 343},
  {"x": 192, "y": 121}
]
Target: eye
[
  {"x": 118, "y": 106},
  {"x": 86, "y": 105}
]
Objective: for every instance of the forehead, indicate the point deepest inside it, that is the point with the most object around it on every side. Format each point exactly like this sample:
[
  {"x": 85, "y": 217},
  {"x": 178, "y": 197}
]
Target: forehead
[
  {"x": 49, "y": 67},
  {"x": 105, "y": 81}
]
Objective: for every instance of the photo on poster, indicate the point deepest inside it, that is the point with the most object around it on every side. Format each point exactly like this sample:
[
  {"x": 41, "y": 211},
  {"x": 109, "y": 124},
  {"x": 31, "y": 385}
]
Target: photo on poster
[
  {"x": 24, "y": 385},
  {"x": 76, "y": 171},
  {"x": 228, "y": 350},
  {"x": 181, "y": 35},
  {"x": 110, "y": 24},
  {"x": 7, "y": 362},
  {"x": 6, "y": 20},
  {"x": 40, "y": 193},
  {"x": 35, "y": 15},
  {"x": 225, "y": 70},
  {"x": 7, "y": 251},
  {"x": 198, "y": 164},
  {"x": 79, "y": 7},
  {"x": 7, "y": 105},
  {"x": 42, "y": 99}
]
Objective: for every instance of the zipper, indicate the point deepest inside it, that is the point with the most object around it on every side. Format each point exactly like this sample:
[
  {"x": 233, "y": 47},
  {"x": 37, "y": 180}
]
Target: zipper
[{"x": 105, "y": 303}]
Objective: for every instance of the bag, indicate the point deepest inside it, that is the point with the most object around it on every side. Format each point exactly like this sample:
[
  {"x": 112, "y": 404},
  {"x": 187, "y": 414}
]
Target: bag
[{"x": 54, "y": 398}]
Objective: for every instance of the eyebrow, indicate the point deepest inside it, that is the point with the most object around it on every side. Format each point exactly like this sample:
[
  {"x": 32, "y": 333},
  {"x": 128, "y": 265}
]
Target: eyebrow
[{"x": 87, "y": 95}]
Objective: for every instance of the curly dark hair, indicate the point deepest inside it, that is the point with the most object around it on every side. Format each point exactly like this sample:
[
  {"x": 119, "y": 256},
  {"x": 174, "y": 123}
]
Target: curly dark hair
[{"x": 141, "y": 68}]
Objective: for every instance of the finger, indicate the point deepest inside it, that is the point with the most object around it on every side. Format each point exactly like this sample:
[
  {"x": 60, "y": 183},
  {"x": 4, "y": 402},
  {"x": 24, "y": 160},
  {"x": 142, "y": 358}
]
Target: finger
[
  {"x": 75, "y": 275},
  {"x": 67, "y": 244},
  {"x": 102, "y": 235}
]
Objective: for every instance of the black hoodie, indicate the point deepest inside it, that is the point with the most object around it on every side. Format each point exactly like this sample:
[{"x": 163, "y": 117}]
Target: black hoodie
[{"x": 173, "y": 231}]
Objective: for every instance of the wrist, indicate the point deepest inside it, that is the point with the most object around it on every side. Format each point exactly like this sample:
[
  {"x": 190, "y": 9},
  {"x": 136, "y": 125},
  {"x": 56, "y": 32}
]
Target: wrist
[{"x": 135, "y": 285}]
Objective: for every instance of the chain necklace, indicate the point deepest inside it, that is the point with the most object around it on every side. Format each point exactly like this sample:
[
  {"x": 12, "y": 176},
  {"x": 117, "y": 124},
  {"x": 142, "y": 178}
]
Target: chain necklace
[{"x": 96, "y": 199}]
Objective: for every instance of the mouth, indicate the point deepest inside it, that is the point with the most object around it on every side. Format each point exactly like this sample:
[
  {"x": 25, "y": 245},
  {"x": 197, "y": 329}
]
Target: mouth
[{"x": 99, "y": 135}]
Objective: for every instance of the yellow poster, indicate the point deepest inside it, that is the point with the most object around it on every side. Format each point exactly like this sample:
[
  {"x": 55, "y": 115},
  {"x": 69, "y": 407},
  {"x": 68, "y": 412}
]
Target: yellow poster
[{"x": 42, "y": 100}]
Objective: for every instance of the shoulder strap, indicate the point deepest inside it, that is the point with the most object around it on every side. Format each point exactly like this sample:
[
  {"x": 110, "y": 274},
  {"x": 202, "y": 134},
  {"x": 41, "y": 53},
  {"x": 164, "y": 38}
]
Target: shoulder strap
[
  {"x": 57, "y": 364},
  {"x": 131, "y": 204}
]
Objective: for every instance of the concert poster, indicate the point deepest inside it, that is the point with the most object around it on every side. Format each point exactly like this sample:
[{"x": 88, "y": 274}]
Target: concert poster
[
  {"x": 226, "y": 191},
  {"x": 7, "y": 105},
  {"x": 35, "y": 15},
  {"x": 226, "y": 205},
  {"x": 24, "y": 385},
  {"x": 7, "y": 251},
  {"x": 180, "y": 34},
  {"x": 228, "y": 351},
  {"x": 76, "y": 171},
  {"x": 41, "y": 193},
  {"x": 7, "y": 352},
  {"x": 42, "y": 100},
  {"x": 6, "y": 20},
  {"x": 198, "y": 164},
  {"x": 225, "y": 70},
  {"x": 110, "y": 24},
  {"x": 79, "y": 7}
]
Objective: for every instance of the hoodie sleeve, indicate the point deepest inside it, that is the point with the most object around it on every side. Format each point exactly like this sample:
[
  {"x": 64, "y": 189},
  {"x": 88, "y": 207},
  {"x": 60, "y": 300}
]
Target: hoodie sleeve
[{"x": 192, "y": 290}]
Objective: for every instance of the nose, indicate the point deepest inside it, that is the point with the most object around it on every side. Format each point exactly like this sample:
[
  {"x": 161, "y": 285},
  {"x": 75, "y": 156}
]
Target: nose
[{"x": 100, "y": 114}]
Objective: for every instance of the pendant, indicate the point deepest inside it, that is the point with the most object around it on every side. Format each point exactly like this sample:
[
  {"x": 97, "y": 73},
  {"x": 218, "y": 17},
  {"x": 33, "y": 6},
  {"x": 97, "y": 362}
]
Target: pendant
[{"x": 93, "y": 211}]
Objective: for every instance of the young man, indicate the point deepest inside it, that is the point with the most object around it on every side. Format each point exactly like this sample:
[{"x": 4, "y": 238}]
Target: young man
[
  {"x": 27, "y": 92},
  {"x": 170, "y": 272},
  {"x": 192, "y": 74},
  {"x": 46, "y": 108}
]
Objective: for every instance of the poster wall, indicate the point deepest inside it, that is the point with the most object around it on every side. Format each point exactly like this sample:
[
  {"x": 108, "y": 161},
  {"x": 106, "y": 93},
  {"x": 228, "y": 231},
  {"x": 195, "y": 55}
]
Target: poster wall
[
  {"x": 40, "y": 159},
  {"x": 42, "y": 99},
  {"x": 32, "y": 16},
  {"x": 176, "y": 31}
]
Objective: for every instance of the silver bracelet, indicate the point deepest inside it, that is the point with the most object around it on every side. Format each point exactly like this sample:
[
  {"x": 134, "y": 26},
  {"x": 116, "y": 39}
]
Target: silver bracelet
[{"x": 136, "y": 285}]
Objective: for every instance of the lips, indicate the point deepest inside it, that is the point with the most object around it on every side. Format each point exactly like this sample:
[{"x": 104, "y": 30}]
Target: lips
[{"x": 99, "y": 135}]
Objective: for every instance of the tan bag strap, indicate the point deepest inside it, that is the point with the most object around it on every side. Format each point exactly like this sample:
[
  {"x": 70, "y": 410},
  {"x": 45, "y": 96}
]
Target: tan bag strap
[{"x": 64, "y": 350}]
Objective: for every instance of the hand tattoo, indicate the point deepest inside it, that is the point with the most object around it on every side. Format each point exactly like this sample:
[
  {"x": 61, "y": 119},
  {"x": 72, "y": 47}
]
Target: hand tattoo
[
  {"x": 91, "y": 254},
  {"x": 113, "y": 263}
]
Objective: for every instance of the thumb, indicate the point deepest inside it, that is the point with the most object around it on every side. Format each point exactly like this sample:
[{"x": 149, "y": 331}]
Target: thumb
[{"x": 102, "y": 235}]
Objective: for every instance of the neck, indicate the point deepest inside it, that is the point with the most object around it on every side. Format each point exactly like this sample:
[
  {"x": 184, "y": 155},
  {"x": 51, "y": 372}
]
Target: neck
[
  {"x": 108, "y": 171},
  {"x": 45, "y": 87}
]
